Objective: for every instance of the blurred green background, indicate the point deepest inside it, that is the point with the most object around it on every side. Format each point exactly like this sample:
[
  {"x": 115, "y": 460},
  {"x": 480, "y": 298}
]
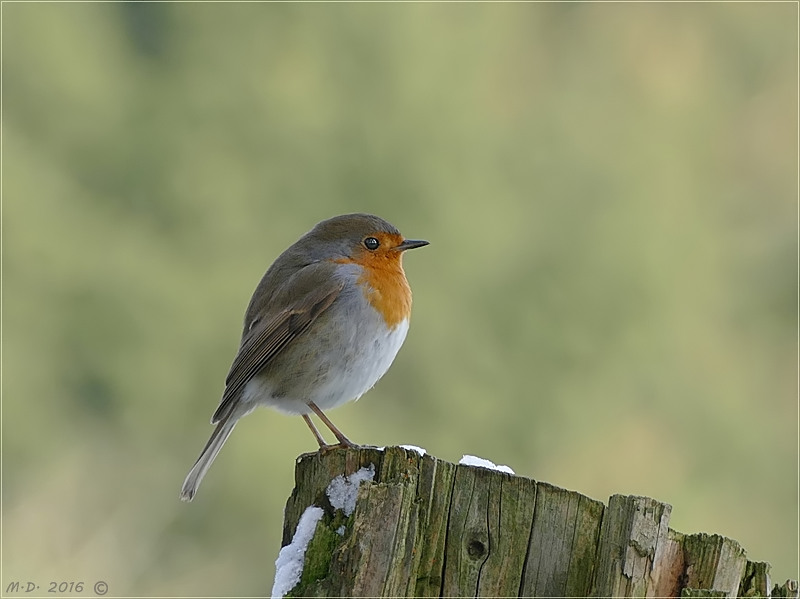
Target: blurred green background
[{"x": 609, "y": 301}]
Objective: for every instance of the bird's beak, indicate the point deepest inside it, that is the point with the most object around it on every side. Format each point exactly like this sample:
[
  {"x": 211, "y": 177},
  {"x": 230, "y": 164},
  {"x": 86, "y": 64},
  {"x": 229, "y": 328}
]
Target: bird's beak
[{"x": 410, "y": 244}]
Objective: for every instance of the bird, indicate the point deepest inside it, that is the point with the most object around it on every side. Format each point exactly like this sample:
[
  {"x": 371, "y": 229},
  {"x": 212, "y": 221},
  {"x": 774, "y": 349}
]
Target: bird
[{"x": 323, "y": 326}]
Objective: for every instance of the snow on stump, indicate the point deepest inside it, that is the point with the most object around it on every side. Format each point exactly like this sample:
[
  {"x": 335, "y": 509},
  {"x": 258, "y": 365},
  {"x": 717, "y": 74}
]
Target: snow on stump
[{"x": 368, "y": 522}]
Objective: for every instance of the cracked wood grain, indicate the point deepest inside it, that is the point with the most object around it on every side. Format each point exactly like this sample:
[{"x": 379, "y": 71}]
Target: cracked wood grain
[{"x": 428, "y": 528}]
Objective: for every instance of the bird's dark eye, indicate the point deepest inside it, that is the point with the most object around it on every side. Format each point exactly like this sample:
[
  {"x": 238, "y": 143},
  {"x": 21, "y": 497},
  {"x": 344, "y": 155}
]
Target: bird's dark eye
[{"x": 371, "y": 243}]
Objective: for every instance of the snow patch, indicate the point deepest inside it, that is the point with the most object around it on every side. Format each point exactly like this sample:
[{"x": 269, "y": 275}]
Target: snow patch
[
  {"x": 343, "y": 490},
  {"x": 289, "y": 565},
  {"x": 419, "y": 450},
  {"x": 471, "y": 460},
  {"x": 341, "y": 530}
]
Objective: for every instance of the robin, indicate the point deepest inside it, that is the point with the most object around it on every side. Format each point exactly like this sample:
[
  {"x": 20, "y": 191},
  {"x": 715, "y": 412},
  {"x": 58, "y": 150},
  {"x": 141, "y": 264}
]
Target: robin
[{"x": 324, "y": 324}]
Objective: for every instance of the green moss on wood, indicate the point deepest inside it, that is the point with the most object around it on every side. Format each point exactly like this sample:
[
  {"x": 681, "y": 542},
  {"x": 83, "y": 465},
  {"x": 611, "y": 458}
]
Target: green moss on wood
[{"x": 318, "y": 558}]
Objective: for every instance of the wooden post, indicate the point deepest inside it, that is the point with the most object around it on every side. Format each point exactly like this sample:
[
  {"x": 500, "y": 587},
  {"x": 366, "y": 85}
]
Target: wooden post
[{"x": 423, "y": 527}]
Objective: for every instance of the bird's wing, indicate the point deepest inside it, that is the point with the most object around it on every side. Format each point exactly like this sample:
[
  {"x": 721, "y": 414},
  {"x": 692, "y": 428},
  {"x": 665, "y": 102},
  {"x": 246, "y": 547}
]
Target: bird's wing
[{"x": 268, "y": 337}]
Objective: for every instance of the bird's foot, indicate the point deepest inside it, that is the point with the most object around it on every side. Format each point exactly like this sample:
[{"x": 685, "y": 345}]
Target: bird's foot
[{"x": 344, "y": 443}]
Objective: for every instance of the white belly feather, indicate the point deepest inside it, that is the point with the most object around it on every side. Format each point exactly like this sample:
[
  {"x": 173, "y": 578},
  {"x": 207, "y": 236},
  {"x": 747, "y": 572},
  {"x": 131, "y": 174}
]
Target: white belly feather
[{"x": 348, "y": 374}]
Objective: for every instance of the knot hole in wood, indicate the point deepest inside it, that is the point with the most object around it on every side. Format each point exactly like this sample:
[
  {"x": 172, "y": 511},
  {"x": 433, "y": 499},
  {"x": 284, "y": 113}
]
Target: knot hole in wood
[{"x": 476, "y": 549}]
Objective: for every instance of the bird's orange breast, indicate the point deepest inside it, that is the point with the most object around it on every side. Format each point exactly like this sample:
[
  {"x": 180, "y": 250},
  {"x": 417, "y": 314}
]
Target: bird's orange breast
[
  {"x": 388, "y": 292},
  {"x": 384, "y": 283}
]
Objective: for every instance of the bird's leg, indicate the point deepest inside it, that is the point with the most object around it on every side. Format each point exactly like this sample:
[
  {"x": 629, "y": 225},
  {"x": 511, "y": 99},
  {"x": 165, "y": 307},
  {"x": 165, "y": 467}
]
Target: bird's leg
[
  {"x": 314, "y": 431},
  {"x": 343, "y": 441}
]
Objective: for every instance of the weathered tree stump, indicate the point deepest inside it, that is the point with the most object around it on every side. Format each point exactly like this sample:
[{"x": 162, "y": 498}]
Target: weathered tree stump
[{"x": 423, "y": 527}]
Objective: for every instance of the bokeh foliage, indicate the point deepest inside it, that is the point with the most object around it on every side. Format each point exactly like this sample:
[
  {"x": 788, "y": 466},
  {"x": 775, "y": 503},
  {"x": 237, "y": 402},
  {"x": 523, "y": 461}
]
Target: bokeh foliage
[{"x": 608, "y": 303}]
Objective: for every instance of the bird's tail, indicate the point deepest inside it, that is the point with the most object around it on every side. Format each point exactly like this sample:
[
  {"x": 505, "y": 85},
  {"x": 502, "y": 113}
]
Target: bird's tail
[{"x": 210, "y": 451}]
